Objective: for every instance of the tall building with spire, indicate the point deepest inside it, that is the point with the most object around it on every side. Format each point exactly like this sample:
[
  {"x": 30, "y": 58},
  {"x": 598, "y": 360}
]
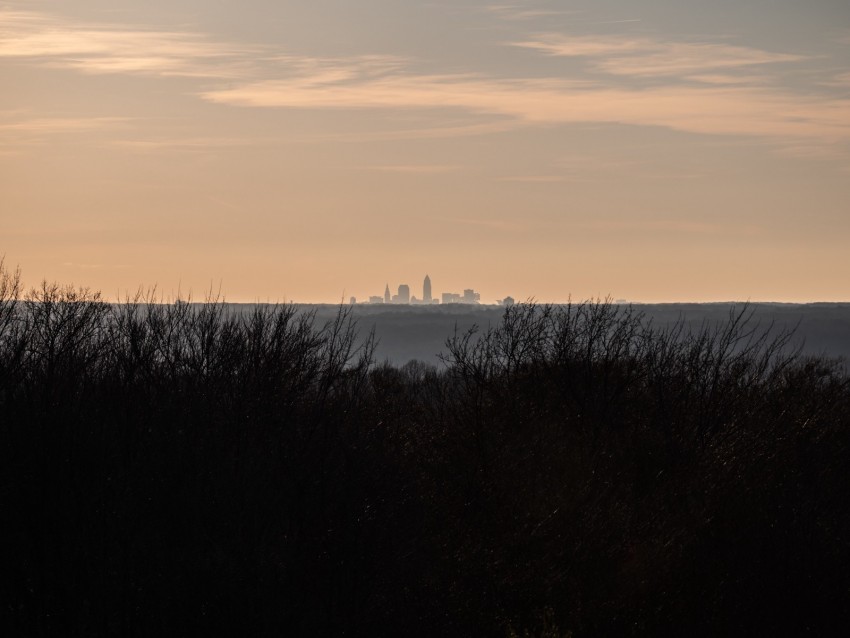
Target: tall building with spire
[
  {"x": 387, "y": 297},
  {"x": 426, "y": 290}
]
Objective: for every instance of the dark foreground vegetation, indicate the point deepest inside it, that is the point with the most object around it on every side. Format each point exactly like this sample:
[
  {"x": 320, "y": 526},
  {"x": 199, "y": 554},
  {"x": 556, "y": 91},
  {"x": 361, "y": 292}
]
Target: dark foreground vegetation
[{"x": 573, "y": 471}]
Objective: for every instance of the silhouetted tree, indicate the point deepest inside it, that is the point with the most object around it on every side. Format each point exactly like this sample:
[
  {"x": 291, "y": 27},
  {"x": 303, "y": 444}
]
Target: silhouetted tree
[{"x": 572, "y": 470}]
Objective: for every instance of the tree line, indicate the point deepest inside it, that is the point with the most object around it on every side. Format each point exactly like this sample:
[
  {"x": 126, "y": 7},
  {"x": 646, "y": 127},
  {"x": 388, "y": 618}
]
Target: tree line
[{"x": 571, "y": 471}]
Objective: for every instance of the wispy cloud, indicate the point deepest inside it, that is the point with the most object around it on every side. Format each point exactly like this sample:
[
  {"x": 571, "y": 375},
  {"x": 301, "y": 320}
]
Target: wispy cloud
[
  {"x": 728, "y": 79},
  {"x": 710, "y": 109},
  {"x": 699, "y": 87},
  {"x": 60, "y": 124},
  {"x": 839, "y": 80},
  {"x": 649, "y": 57},
  {"x": 426, "y": 131},
  {"x": 99, "y": 48},
  {"x": 522, "y": 12},
  {"x": 188, "y": 144}
]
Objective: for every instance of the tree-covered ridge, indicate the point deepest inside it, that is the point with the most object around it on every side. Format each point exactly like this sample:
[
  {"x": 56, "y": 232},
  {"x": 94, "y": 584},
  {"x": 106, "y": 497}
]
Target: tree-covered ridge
[{"x": 571, "y": 470}]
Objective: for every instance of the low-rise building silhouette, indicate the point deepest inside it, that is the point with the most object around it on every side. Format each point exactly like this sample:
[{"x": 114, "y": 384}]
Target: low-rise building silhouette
[{"x": 469, "y": 296}]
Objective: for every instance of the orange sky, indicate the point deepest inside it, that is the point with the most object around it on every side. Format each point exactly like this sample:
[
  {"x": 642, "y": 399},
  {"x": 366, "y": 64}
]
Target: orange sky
[{"x": 654, "y": 151}]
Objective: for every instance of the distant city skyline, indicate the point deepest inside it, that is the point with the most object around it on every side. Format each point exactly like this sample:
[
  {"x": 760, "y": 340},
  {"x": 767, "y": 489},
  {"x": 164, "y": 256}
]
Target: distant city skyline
[{"x": 405, "y": 297}]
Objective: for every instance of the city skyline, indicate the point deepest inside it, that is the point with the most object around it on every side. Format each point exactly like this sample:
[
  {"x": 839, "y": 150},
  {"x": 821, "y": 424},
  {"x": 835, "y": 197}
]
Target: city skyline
[{"x": 405, "y": 297}]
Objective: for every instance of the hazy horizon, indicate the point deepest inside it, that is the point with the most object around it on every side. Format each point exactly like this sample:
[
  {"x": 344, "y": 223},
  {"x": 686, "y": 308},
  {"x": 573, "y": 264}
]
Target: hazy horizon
[{"x": 656, "y": 152}]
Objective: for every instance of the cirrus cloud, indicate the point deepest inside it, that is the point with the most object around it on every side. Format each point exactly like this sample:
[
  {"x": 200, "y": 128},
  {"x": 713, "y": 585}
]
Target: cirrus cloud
[
  {"x": 708, "y": 109},
  {"x": 647, "y": 57},
  {"x": 698, "y": 87},
  {"x": 102, "y": 48}
]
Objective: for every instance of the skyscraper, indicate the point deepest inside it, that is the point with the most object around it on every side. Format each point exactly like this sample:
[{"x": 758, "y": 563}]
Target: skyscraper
[
  {"x": 387, "y": 297},
  {"x": 426, "y": 290},
  {"x": 404, "y": 293}
]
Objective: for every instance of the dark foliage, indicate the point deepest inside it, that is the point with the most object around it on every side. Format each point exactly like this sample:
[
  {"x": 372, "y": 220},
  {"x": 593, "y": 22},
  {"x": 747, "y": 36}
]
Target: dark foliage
[{"x": 169, "y": 468}]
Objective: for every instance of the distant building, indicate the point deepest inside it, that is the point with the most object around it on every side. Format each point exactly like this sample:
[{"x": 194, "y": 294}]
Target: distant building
[
  {"x": 451, "y": 297},
  {"x": 353, "y": 301},
  {"x": 387, "y": 298},
  {"x": 376, "y": 299},
  {"x": 404, "y": 294},
  {"x": 470, "y": 296},
  {"x": 426, "y": 290}
]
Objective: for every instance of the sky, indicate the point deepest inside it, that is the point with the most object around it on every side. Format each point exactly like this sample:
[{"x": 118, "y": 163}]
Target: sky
[{"x": 656, "y": 150}]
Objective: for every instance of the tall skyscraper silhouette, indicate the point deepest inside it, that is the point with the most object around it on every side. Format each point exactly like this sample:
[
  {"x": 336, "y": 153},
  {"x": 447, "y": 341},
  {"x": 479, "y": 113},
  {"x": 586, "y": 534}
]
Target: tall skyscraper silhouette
[
  {"x": 426, "y": 290},
  {"x": 387, "y": 297},
  {"x": 404, "y": 293}
]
